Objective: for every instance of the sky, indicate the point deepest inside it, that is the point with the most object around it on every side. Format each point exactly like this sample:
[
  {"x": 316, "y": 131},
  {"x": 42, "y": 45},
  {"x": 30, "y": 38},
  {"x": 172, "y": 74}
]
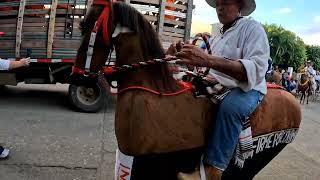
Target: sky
[{"x": 299, "y": 16}]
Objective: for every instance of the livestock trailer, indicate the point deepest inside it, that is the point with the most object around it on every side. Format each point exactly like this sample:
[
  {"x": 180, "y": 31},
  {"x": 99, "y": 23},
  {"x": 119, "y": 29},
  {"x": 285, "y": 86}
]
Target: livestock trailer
[{"x": 48, "y": 32}]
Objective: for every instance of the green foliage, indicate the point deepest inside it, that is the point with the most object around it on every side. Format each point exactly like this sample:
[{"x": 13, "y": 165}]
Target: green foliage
[
  {"x": 313, "y": 54},
  {"x": 287, "y": 49}
]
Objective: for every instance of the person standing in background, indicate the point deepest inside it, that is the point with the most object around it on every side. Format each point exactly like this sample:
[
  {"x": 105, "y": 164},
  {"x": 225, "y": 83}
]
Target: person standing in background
[{"x": 6, "y": 65}]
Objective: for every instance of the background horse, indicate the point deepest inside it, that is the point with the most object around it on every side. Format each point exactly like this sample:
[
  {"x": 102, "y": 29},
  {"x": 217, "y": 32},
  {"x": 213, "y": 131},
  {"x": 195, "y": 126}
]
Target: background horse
[
  {"x": 304, "y": 87},
  {"x": 313, "y": 89},
  {"x": 274, "y": 77},
  {"x": 166, "y": 134}
]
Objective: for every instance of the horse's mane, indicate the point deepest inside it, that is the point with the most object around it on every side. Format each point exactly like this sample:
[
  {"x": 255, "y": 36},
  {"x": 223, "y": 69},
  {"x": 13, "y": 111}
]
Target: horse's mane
[{"x": 128, "y": 16}]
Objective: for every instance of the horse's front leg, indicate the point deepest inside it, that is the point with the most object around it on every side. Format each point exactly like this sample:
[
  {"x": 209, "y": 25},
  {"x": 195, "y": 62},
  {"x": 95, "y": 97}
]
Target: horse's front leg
[{"x": 302, "y": 96}]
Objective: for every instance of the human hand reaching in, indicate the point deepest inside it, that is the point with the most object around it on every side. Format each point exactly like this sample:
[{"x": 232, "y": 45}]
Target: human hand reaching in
[{"x": 25, "y": 61}]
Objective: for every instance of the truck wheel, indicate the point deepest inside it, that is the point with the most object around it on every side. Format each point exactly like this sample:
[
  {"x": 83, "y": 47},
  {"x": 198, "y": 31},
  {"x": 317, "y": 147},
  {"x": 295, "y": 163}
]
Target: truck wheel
[{"x": 87, "y": 98}]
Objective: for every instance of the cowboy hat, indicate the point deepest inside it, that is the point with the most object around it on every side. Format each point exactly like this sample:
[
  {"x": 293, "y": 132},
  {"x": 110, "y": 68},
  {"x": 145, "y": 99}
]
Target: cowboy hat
[{"x": 248, "y": 6}]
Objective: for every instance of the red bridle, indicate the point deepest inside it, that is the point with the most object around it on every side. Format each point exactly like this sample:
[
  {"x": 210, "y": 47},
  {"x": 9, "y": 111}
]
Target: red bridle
[{"x": 103, "y": 21}]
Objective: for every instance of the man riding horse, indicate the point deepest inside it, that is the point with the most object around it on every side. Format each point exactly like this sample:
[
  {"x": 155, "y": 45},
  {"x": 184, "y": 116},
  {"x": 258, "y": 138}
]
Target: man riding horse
[
  {"x": 239, "y": 62},
  {"x": 309, "y": 69},
  {"x": 311, "y": 73},
  {"x": 161, "y": 127}
]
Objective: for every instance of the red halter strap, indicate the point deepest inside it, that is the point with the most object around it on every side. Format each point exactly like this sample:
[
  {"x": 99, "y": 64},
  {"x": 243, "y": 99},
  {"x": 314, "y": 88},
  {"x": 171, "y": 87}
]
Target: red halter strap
[
  {"x": 103, "y": 20},
  {"x": 185, "y": 87}
]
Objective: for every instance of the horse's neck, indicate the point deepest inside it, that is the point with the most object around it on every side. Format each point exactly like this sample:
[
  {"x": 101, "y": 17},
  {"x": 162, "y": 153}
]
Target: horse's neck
[
  {"x": 145, "y": 78},
  {"x": 154, "y": 77}
]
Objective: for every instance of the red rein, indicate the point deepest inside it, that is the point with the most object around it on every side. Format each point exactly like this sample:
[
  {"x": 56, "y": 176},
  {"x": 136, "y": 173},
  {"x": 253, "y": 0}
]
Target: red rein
[{"x": 185, "y": 89}]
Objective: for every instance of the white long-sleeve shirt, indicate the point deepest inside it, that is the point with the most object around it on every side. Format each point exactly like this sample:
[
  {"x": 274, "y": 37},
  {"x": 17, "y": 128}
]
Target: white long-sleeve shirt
[
  {"x": 4, "y": 64},
  {"x": 310, "y": 71},
  {"x": 247, "y": 42}
]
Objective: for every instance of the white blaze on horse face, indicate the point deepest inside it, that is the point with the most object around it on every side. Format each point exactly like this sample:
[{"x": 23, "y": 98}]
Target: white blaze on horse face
[{"x": 120, "y": 29}]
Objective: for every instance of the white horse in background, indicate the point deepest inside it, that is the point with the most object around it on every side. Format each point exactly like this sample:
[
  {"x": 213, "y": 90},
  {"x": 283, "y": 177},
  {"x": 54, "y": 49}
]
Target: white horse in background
[{"x": 313, "y": 89}]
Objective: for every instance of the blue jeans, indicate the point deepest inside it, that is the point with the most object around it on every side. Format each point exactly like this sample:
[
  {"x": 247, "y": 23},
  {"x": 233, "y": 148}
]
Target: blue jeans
[{"x": 236, "y": 107}]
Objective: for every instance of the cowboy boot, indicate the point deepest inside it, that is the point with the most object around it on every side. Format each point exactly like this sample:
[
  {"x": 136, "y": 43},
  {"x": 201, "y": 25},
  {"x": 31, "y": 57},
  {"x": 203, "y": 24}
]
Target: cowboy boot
[{"x": 211, "y": 174}]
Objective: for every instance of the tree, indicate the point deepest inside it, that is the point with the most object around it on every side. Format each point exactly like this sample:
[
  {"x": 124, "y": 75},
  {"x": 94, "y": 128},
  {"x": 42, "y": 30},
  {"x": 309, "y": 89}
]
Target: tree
[
  {"x": 286, "y": 48},
  {"x": 313, "y": 54}
]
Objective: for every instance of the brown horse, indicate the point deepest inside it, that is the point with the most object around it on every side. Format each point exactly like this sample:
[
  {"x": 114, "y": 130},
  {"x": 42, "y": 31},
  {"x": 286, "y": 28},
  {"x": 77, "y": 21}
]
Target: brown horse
[
  {"x": 167, "y": 134},
  {"x": 304, "y": 87}
]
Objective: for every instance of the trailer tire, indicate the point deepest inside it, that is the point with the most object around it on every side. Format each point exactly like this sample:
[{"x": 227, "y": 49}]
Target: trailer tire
[{"x": 89, "y": 98}]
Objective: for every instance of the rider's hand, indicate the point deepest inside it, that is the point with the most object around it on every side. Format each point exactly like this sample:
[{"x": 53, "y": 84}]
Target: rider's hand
[
  {"x": 25, "y": 61},
  {"x": 192, "y": 55},
  {"x": 174, "y": 48}
]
